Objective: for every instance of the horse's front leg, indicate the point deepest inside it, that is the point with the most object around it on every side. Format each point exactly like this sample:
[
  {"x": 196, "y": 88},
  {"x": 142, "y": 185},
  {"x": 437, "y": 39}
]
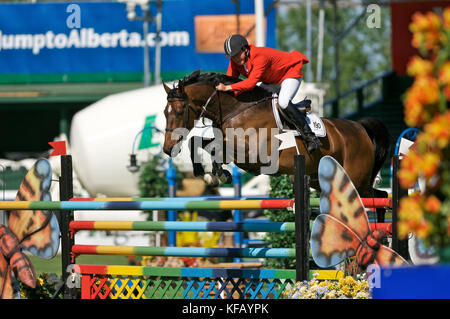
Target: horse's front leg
[
  {"x": 218, "y": 174},
  {"x": 193, "y": 144}
]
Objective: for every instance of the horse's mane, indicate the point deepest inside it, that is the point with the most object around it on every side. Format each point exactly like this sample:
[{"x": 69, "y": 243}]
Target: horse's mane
[
  {"x": 209, "y": 77},
  {"x": 216, "y": 78}
]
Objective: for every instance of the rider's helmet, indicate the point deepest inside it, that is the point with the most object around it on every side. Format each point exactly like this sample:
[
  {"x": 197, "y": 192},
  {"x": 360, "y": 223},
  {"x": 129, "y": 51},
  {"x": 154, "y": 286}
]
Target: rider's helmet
[{"x": 233, "y": 44}]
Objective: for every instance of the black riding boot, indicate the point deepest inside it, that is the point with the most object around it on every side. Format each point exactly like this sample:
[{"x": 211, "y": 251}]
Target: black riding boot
[{"x": 312, "y": 142}]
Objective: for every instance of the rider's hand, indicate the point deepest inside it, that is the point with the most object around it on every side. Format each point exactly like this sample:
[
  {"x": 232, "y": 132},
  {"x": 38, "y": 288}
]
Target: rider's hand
[{"x": 223, "y": 87}]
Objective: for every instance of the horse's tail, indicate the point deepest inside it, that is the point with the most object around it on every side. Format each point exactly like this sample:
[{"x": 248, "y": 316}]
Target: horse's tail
[{"x": 381, "y": 139}]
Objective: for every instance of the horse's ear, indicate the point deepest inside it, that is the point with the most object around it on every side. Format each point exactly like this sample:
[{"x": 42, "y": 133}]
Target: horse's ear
[
  {"x": 196, "y": 73},
  {"x": 166, "y": 88},
  {"x": 180, "y": 86}
]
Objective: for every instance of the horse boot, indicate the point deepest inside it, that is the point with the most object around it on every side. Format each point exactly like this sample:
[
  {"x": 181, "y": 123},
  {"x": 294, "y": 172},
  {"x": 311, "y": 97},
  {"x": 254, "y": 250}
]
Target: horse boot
[{"x": 312, "y": 142}]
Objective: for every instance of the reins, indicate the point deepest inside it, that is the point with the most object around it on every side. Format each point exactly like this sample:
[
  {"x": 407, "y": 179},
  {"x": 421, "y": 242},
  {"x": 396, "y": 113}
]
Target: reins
[
  {"x": 221, "y": 120},
  {"x": 240, "y": 110}
]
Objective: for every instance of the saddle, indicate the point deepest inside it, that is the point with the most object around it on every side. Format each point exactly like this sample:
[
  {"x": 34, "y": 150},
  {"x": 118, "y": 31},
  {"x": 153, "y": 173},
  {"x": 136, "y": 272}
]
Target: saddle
[
  {"x": 284, "y": 123},
  {"x": 304, "y": 106}
]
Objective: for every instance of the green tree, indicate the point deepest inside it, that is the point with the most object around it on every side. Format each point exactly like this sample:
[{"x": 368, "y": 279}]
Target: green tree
[
  {"x": 153, "y": 181},
  {"x": 364, "y": 52},
  {"x": 281, "y": 187}
]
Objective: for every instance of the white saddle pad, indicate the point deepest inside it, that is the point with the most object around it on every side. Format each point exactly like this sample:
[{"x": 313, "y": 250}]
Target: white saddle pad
[{"x": 314, "y": 121}]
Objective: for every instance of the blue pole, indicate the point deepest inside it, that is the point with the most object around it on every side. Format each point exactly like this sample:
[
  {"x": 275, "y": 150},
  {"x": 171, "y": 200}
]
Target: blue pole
[
  {"x": 171, "y": 175},
  {"x": 237, "y": 214}
]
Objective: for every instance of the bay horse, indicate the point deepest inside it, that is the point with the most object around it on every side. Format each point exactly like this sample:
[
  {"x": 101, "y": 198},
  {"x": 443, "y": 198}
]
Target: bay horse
[{"x": 360, "y": 147}]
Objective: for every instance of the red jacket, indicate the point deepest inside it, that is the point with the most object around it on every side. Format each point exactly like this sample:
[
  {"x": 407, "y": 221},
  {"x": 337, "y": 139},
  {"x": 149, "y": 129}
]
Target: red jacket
[{"x": 266, "y": 65}]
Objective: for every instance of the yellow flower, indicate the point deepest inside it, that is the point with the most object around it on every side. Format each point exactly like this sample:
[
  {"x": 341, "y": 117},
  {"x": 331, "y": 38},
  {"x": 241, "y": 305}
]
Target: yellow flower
[
  {"x": 426, "y": 30},
  {"x": 411, "y": 217},
  {"x": 362, "y": 295},
  {"x": 437, "y": 131},
  {"x": 418, "y": 66},
  {"x": 423, "y": 229},
  {"x": 403, "y": 229},
  {"x": 331, "y": 295},
  {"x": 427, "y": 89},
  {"x": 348, "y": 280},
  {"x": 433, "y": 204},
  {"x": 444, "y": 73},
  {"x": 419, "y": 23},
  {"x": 430, "y": 164},
  {"x": 409, "y": 172},
  {"x": 446, "y": 18},
  {"x": 421, "y": 102},
  {"x": 346, "y": 291}
]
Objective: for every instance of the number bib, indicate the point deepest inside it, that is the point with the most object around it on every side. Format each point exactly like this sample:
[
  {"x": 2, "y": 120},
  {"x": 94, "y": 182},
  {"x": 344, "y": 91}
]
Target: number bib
[{"x": 316, "y": 124}]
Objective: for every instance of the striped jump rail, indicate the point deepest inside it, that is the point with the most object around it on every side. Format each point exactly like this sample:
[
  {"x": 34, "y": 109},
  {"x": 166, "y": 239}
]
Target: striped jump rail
[
  {"x": 183, "y": 251},
  {"x": 273, "y": 227},
  {"x": 156, "y": 204},
  {"x": 313, "y": 202}
]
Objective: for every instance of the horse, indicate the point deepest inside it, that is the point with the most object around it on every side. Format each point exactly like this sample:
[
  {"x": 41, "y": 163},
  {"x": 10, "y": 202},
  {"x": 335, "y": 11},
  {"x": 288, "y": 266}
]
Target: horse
[{"x": 361, "y": 147}]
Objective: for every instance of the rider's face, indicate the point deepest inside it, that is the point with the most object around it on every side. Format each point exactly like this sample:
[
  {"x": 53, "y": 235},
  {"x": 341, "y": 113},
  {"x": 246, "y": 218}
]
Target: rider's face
[{"x": 239, "y": 58}]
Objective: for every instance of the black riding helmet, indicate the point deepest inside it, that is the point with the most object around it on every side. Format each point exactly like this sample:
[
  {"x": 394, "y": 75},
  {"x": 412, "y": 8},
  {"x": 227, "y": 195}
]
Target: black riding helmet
[{"x": 233, "y": 44}]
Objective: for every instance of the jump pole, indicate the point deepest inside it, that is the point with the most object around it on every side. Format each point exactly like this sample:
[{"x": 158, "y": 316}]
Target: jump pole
[
  {"x": 237, "y": 214},
  {"x": 66, "y": 217},
  {"x": 171, "y": 176},
  {"x": 302, "y": 217},
  {"x": 149, "y": 205},
  {"x": 400, "y": 246}
]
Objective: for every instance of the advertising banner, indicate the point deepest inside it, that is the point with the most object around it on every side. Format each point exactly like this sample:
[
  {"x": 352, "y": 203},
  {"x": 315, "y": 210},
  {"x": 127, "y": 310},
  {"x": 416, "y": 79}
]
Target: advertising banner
[{"x": 62, "y": 40}]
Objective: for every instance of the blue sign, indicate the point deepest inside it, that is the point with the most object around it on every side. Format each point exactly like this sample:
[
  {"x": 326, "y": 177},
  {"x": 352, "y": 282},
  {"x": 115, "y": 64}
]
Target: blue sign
[
  {"x": 412, "y": 282},
  {"x": 86, "y": 37}
]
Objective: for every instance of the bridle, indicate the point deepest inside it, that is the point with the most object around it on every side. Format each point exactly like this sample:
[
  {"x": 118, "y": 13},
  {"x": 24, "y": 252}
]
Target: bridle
[
  {"x": 174, "y": 97},
  {"x": 177, "y": 96}
]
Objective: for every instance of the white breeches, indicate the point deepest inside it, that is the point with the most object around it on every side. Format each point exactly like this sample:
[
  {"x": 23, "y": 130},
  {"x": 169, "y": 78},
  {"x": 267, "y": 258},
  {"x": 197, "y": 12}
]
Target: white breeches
[{"x": 289, "y": 88}]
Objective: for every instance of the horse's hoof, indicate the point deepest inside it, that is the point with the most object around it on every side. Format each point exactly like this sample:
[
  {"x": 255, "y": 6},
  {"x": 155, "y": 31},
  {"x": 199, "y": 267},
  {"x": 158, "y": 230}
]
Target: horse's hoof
[
  {"x": 211, "y": 180},
  {"x": 198, "y": 170},
  {"x": 226, "y": 177},
  {"x": 198, "y": 173}
]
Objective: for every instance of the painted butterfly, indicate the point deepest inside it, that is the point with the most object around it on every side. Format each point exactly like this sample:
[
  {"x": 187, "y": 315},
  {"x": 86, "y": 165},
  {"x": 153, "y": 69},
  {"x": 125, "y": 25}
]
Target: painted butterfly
[
  {"x": 36, "y": 231},
  {"x": 342, "y": 229}
]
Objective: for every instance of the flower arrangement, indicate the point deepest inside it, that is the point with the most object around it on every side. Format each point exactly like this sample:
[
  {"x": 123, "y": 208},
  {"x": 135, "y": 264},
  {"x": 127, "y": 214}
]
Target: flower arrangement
[
  {"x": 46, "y": 286},
  {"x": 426, "y": 107},
  {"x": 344, "y": 288}
]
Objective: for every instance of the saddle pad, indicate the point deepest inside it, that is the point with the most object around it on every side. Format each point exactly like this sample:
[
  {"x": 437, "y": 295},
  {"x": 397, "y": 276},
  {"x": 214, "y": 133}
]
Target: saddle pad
[{"x": 314, "y": 121}]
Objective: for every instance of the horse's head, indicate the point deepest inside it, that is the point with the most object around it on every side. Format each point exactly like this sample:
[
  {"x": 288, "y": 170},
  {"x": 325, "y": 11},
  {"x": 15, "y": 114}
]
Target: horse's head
[
  {"x": 179, "y": 114},
  {"x": 194, "y": 96}
]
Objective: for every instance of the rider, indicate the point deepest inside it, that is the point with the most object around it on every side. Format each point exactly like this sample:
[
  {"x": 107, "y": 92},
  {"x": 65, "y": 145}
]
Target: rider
[{"x": 267, "y": 65}]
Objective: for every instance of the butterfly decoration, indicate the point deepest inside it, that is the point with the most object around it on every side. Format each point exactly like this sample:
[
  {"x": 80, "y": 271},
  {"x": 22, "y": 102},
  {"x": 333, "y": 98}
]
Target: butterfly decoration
[
  {"x": 342, "y": 229},
  {"x": 35, "y": 231}
]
